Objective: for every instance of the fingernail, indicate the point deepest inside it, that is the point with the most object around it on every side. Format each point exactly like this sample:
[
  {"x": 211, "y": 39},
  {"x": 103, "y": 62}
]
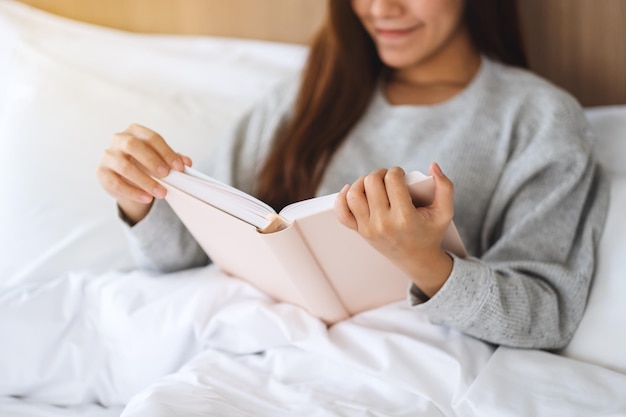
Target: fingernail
[
  {"x": 342, "y": 191},
  {"x": 145, "y": 198},
  {"x": 158, "y": 192},
  {"x": 177, "y": 165},
  {"x": 437, "y": 169},
  {"x": 162, "y": 170}
]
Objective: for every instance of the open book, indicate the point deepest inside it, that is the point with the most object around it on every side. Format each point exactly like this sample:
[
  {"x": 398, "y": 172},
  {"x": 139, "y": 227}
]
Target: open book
[{"x": 302, "y": 255}]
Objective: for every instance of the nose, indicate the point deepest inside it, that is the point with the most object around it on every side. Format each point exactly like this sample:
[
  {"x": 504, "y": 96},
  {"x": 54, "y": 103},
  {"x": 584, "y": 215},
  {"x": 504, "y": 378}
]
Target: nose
[{"x": 386, "y": 8}]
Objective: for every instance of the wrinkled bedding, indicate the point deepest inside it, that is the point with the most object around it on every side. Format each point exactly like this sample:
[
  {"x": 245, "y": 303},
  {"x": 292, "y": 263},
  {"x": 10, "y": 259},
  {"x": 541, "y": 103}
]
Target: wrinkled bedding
[
  {"x": 15, "y": 407},
  {"x": 199, "y": 343}
]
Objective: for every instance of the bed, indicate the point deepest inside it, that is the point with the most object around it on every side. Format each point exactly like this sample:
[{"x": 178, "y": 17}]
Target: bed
[{"x": 83, "y": 334}]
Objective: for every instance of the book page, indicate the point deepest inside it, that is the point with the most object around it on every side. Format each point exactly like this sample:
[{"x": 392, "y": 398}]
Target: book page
[
  {"x": 308, "y": 207},
  {"x": 222, "y": 196}
]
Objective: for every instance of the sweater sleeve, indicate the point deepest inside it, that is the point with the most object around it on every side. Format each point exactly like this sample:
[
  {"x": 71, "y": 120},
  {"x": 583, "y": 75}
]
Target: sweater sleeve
[
  {"x": 160, "y": 241},
  {"x": 529, "y": 287}
]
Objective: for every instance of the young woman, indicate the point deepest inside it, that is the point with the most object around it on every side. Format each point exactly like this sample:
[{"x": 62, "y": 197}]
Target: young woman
[{"x": 405, "y": 83}]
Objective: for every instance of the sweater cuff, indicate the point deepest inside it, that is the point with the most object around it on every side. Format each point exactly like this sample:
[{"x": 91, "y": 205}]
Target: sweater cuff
[
  {"x": 460, "y": 297},
  {"x": 143, "y": 235}
]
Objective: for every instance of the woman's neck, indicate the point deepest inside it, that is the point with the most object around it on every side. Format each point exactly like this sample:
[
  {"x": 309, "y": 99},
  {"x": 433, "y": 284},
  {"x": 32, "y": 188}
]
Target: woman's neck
[{"x": 437, "y": 78}]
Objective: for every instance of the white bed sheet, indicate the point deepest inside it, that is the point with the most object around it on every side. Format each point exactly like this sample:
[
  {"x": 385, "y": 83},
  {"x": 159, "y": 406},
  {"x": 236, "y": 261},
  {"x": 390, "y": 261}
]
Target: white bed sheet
[
  {"x": 14, "y": 407},
  {"x": 201, "y": 343}
]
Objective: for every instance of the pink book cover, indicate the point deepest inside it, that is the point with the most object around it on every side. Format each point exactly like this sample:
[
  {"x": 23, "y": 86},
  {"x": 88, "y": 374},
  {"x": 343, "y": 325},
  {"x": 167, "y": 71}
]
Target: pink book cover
[{"x": 310, "y": 260}]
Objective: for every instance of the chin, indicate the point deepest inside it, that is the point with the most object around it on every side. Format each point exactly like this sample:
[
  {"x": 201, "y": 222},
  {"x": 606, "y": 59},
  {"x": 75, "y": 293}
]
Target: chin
[
  {"x": 400, "y": 61},
  {"x": 407, "y": 56}
]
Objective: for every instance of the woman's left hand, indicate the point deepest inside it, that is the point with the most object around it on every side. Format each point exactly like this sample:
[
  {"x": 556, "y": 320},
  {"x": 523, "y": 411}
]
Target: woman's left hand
[{"x": 379, "y": 207}]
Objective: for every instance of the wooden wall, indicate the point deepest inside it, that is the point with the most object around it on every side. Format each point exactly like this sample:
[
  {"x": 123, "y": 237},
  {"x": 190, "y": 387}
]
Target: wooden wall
[
  {"x": 279, "y": 20},
  {"x": 578, "y": 44}
]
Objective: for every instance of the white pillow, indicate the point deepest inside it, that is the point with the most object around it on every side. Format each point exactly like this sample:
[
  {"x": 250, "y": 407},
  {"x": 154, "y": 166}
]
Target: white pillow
[
  {"x": 231, "y": 71},
  {"x": 601, "y": 337},
  {"x": 67, "y": 90},
  {"x": 609, "y": 126}
]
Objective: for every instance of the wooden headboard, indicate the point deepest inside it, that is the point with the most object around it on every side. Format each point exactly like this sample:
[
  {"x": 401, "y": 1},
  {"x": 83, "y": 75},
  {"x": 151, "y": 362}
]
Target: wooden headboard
[{"x": 578, "y": 44}]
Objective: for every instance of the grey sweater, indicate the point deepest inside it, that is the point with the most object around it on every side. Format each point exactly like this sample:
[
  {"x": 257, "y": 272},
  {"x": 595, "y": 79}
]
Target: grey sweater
[{"x": 530, "y": 201}]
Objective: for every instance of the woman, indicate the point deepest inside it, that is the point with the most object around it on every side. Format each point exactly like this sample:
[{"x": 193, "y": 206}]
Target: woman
[{"x": 402, "y": 83}]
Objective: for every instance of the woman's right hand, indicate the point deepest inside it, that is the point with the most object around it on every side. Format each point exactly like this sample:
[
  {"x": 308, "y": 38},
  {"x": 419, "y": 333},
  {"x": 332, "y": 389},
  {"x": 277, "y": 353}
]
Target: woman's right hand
[{"x": 126, "y": 167}]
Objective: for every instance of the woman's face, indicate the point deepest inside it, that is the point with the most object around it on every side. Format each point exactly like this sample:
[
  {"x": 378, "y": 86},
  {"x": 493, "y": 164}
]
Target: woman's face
[{"x": 409, "y": 32}]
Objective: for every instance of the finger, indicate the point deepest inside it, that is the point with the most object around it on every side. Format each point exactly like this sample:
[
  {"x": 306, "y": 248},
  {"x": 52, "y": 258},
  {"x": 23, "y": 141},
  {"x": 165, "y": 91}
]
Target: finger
[
  {"x": 444, "y": 192},
  {"x": 397, "y": 190},
  {"x": 186, "y": 160},
  {"x": 118, "y": 188},
  {"x": 171, "y": 158},
  {"x": 141, "y": 151},
  {"x": 357, "y": 201},
  {"x": 126, "y": 168},
  {"x": 376, "y": 193},
  {"x": 343, "y": 213}
]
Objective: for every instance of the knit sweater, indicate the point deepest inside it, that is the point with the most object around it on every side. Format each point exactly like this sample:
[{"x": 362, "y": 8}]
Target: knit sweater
[{"x": 530, "y": 201}]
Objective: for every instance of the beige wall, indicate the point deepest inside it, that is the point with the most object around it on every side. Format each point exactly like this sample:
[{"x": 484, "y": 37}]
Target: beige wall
[{"x": 283, "y": 20}]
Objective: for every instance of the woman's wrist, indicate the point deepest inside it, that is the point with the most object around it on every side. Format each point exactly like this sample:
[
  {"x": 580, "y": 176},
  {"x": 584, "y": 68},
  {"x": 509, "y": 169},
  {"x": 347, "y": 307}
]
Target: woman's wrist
[
  {"x": 430, "y": 271},
  {"x": 131, "y": 212}
]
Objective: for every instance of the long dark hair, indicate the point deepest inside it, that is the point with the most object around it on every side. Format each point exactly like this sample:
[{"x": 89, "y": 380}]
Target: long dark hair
[{"x": 339, "y": 78}]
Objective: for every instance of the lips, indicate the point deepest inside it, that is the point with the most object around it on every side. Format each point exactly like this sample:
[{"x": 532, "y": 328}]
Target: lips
[{"x": 396, "y": 33}]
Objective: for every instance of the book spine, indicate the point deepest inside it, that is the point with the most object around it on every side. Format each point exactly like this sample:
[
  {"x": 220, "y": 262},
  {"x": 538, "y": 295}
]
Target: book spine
[{"x": 318, "y": 295}]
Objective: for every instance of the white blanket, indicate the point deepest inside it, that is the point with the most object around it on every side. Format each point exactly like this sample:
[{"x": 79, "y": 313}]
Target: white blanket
[
  {"x": 16, "y": 407},
  {"x": 199, "y": 343}
]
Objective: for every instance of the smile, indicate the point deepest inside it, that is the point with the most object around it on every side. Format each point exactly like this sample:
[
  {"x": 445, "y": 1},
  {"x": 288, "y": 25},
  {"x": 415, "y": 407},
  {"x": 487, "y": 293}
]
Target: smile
[{"x": 384, "y": 33}]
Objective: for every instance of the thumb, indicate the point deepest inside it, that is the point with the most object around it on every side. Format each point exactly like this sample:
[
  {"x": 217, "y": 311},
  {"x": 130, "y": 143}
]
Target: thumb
[{"x": 444, "y": 192}]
